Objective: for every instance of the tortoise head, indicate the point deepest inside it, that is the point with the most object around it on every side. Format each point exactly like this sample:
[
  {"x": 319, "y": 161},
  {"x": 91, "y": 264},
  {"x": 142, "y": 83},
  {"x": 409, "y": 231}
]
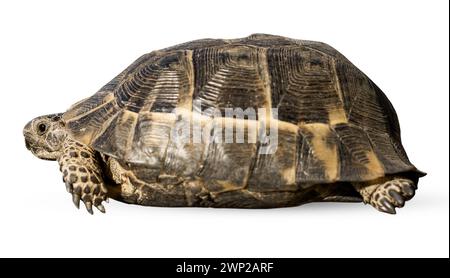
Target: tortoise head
[{"x": 44, "y": 136}]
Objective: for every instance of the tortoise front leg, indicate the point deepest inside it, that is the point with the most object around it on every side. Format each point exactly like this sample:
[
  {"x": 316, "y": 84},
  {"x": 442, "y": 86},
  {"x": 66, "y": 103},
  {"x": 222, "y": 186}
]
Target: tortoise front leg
[{"x": 82, "y": 175}]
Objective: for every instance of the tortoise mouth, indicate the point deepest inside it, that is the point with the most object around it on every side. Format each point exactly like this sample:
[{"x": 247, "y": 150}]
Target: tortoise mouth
[
  {"x": 28, "y": 145},
  {"x": 31, "y": 148},
  {"x": 41, "y": 154}
]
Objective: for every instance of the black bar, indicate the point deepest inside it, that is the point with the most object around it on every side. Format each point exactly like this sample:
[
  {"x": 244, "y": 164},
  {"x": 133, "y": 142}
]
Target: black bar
[{"x": 217, "y": 267}]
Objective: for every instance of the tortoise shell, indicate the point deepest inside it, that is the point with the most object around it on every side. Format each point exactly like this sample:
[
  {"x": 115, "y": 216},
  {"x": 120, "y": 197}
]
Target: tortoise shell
[{"x": 334, "y": 123}]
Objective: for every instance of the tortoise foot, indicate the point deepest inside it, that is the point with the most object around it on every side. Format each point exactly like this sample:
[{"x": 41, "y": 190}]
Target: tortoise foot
[{"x": 388, "y": 196}]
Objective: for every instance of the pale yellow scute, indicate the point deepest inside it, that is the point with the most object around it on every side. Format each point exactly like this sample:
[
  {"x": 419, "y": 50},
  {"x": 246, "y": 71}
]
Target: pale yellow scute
[
  {"x": 228, "y": 186},
  {"x": 286, "y": 126},
  {"x": 288, "y": 175},
  {"x": 86, "y": 138},
  {"x": 337, "y": 116},
  {"x": 374, "y": 166},
  {"x": 326, "y": 153}
]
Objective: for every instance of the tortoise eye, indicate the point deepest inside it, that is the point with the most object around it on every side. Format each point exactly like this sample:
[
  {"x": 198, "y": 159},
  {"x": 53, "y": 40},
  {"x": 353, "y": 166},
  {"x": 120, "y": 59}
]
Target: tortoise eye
[{"x": 42, "y": 128}]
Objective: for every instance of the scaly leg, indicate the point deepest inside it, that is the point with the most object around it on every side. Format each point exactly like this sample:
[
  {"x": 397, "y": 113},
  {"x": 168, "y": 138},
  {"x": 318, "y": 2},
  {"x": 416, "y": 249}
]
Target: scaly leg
[{"x": 82, "y": 175}]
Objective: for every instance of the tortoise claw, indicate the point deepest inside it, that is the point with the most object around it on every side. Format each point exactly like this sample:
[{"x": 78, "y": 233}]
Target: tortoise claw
[
  {"x": 387, "y": 206},
  {"x": 386, "y": 210},
  {"x": 400, "y": 202},
  {"x": 101, "y": 208},
  {"x": 76, "y": 200},
  {"x": 69, "y": 187},
  {"x": 89, "y": 207}
]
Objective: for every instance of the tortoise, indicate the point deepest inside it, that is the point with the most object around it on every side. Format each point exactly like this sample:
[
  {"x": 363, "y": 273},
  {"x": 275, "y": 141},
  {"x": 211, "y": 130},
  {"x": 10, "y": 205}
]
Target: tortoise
[{"x": 337, "y": 134}]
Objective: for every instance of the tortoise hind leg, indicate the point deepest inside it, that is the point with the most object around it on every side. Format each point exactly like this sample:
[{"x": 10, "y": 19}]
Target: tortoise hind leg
[{"x": 388, "y": 193}]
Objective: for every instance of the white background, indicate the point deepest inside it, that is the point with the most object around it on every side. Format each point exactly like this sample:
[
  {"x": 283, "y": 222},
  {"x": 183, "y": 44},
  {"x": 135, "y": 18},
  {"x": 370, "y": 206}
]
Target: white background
[{"x": 54, "y": 53}]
